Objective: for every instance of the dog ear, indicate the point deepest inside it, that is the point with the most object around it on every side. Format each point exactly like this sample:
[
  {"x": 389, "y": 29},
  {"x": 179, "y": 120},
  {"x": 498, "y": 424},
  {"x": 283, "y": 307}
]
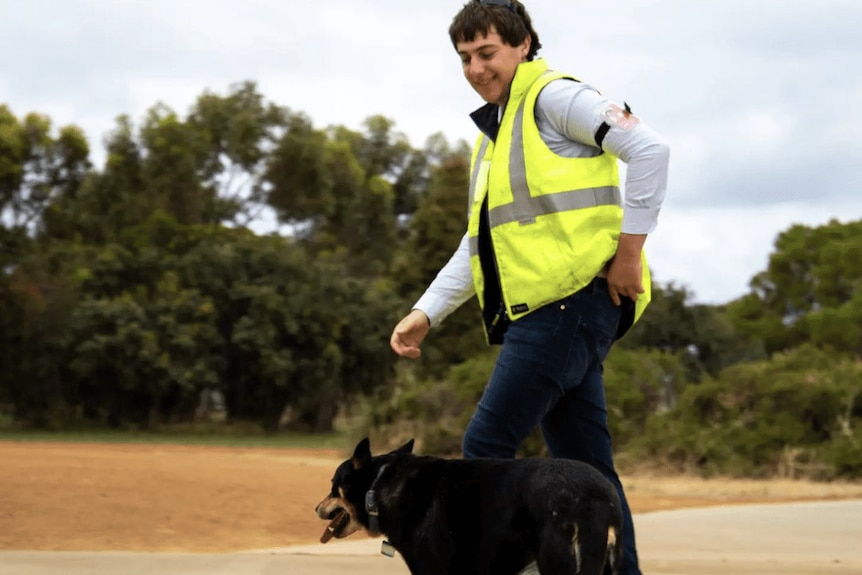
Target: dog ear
[
  {"x": 362, "y": 454},
  {"x": 406, "y": 448}
]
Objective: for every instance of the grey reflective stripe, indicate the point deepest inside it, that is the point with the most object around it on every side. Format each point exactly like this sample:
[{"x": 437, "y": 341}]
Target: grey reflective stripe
[
  {"x": 518, "y": 168},
  {"x": 527, "y": 211},
  {"x": 477, "y": 167},
  {"x": 550, "y": 204},
  {"x": 524, "y": 207},
  {"x": 518, "y": 164}
]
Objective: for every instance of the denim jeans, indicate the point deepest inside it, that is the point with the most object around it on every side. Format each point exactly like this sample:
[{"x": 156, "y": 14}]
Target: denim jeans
[{"x": 549, "y": 373}]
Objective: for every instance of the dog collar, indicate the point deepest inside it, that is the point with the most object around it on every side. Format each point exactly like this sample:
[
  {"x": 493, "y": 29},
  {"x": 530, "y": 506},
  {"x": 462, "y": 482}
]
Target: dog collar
[
  {"x": 371, "y": 506},
  {"x": 373, "y": 510}
]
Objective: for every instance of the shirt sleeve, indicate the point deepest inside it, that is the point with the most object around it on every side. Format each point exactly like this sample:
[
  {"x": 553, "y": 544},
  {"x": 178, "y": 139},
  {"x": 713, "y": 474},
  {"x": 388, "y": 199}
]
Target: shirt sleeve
[
  {"x": 569, "y": 114},
  {"x": 451, "y": 288}
]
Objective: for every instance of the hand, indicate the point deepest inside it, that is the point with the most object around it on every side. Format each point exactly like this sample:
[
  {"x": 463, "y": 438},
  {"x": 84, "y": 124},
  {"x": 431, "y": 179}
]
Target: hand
[
  {"x": 409, "y": 333},
  {"x": 625, "y": 274},
  {"x": 625, "y": 279}
]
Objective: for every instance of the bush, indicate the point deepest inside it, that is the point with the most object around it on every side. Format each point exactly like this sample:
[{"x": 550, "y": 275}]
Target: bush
[{"x": 797, "y": 415}]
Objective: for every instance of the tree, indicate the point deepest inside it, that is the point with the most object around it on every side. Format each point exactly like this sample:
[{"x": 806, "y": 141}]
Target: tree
[
  {"x": 797, "y": 414},
  {"x": 300, "y": 186},
  {"x": 170, "y": 168},
  {"x": 813, "y": 276},
  {"x": 434, "y": 233},
  {"x": 701, "y": 336},
  {"x": 237, "y": 132},
  {"x": 639, "y": 384},
  {"x": 338, "y": 205},
  {"x": 36, "y": 167},
  {"x": 107, "y": 201},
  {"x": 206, "y": 168},
  {"x": 36, "y": 298}
]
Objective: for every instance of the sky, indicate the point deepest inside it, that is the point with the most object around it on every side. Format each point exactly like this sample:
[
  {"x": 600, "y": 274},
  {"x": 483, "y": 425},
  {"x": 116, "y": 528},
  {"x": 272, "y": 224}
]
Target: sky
[{"x": 760, "y": 100}]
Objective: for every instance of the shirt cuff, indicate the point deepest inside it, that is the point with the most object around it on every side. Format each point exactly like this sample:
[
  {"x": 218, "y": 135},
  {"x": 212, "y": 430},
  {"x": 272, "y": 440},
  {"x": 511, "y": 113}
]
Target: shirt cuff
[
  {"x": 639, "y": 221},
  {"x": 434, "y": 306}
]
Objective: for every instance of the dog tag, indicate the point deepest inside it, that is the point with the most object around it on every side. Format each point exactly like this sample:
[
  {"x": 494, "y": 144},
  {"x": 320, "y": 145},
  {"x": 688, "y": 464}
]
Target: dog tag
[{"x": 387, "y": 549}]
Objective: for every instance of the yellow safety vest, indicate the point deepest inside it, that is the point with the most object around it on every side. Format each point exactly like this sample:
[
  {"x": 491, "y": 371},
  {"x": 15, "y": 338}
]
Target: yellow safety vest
[{"x": 554, "y": 221}]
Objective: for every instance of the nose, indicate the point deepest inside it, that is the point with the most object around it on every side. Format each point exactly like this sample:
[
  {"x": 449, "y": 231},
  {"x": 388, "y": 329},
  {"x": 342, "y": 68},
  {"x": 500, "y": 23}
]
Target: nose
[{"x": 475, "y": 68}]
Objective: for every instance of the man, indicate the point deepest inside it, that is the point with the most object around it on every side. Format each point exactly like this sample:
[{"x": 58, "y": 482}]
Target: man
[{"x": 557, "y": 263}]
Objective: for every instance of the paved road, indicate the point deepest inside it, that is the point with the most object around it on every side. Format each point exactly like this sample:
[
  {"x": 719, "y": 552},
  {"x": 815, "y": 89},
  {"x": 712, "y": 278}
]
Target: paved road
[{"x": 823, "y": 538}]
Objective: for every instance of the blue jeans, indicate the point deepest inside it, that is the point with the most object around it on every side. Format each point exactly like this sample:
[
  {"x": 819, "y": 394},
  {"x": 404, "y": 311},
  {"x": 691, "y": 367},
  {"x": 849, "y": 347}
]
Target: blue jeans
[{"x": 549, "y": 373}]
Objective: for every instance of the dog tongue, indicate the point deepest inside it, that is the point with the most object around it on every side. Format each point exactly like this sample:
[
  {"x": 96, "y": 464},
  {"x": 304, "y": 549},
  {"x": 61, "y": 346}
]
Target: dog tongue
[
  {"x": 336, "y": 522},
  {"x": 327, "y": 535}
]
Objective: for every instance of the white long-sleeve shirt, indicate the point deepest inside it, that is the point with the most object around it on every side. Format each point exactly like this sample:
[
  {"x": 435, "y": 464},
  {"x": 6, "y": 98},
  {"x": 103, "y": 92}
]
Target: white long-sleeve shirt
[{"x": 568, "y": 115}]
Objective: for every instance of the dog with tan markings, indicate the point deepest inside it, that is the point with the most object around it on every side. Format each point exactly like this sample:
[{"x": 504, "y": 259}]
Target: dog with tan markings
[{"x": 478, "y": 516}]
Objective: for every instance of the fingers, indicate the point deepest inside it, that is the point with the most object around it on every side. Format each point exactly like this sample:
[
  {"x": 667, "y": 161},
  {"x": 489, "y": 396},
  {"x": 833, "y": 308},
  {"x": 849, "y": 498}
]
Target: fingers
[
  {"x": 619, "y": 292},
  {"x": 625, "y": 278},
  {"x": 408, "y": 335},
  {"x": 403, "y": 348}
]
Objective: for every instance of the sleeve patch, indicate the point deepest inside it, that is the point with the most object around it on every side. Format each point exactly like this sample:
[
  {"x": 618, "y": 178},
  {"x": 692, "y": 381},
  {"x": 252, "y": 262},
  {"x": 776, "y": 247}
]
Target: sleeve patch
[{"x": 622, "y": 118}]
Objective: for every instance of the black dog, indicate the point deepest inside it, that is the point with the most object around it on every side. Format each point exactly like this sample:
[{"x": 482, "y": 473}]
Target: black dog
[{"x": 479, "y": 516}]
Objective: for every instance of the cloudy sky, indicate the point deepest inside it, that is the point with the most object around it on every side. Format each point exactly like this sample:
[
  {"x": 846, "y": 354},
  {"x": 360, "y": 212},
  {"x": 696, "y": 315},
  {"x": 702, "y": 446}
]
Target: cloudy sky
[{"x": 761, "y": 100}]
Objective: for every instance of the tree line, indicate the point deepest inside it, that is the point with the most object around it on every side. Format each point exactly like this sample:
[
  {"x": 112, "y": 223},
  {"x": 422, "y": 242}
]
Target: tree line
[{"x": 127, "y": 290}]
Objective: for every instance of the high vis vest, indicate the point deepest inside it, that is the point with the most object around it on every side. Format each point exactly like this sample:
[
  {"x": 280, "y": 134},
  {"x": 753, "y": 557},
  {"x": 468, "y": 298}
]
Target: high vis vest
[{"x": 554, "y": 221}]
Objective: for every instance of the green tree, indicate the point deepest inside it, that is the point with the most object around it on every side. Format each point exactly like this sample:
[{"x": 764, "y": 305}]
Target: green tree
[
  {"x": 340, "y": 204},
  {"x": 814, "y": 275},
  {"x": 36, "y": 166},
  {"x": 703, "y": 337},
  {"x": 36, "y": 298},
  {"x": 639, "y": 384},
  {"x": 237, "y": 133},
  {"x": 170, "y": 168},
  {"x": 434, "y": 233},
  {"x": 207, "y": 168},
  {"x": 301, "y": 188},
  {"x": 797, "y": 414}
]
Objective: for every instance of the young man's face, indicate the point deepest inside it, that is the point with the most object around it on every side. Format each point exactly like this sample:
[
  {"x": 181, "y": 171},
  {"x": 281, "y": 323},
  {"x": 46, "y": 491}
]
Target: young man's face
[{"x": 489, "y": 64}]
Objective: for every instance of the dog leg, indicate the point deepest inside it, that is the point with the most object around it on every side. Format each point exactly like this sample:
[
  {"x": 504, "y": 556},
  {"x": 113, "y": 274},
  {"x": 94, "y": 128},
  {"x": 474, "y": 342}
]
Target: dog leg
[
  {"x": 557, "y": 553},
  {"x": 593, "y": 547},
  {"x": 583, "y": 551},
  {"x": 615, "y": 552}
]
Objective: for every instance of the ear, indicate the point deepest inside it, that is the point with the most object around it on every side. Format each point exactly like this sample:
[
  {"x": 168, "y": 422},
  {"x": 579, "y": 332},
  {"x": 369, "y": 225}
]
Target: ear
[
  {"x": 525, "y": 46},
  {"x": 362, "y": 454},
  {"x": 406, "y": 448}
]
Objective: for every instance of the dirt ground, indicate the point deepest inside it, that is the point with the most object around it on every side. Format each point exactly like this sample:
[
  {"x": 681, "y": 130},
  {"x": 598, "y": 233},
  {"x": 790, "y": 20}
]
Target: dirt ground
[{"x": 101, "y": 497}]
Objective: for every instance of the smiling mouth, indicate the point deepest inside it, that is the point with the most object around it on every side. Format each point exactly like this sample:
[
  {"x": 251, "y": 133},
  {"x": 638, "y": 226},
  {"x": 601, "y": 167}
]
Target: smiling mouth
[{"x": 336, "y": 524}]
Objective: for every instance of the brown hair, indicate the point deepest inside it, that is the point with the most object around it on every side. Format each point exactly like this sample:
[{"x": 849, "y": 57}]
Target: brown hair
[{"x": 508, "y": 17}]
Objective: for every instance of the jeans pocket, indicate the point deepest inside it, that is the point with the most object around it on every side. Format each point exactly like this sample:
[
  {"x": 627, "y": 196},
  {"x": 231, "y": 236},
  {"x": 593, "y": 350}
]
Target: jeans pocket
[{"x": 627, "y": 317}]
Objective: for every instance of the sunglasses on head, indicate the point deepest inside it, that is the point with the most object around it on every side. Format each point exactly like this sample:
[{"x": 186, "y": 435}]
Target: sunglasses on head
[{"x": 504, "y": 3}]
